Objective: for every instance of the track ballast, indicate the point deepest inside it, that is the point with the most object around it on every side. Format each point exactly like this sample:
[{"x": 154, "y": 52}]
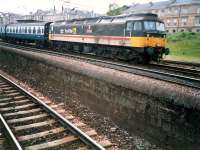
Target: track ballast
[{"x": 31, "y": 124}]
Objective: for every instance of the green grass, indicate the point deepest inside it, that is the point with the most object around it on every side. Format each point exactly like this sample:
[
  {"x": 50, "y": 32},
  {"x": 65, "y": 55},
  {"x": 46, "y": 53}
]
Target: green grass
[{"x": 184, "y": 47}]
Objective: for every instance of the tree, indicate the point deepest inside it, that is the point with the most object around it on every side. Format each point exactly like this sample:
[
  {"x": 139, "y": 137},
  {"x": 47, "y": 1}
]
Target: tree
[{"x": 114, "y": 9}]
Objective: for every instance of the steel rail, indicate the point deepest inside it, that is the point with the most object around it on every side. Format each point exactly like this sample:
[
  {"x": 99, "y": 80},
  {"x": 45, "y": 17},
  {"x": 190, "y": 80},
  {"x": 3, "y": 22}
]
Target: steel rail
[
  {"x": 124, "y": 67},
  {"x": 10, "y": 134},
  {"x": 84, "y": 137},
  {"x": 188, "y": 71},
  {"x": 181, "y": 63}
]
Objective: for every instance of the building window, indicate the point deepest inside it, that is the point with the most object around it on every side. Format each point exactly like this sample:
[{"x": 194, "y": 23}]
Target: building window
[
  {"x": 169, "y": 10},
  {"x": 174, "y": 31},
  {"x": 197, "y": 20},
  {"x": 176, "y": 11},
  {"x": 184, "y": 20},
  {"x": 184, "y": 10},
  {"x": 198, "y": 30},
  {"x": 168, "y": 22},
  {"x": 198, "y": 10},
  {"x": 174, "y": 22}
]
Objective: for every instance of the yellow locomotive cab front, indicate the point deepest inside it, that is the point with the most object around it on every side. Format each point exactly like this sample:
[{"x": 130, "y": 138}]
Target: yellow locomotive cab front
[{"x": 141, "y": 42}]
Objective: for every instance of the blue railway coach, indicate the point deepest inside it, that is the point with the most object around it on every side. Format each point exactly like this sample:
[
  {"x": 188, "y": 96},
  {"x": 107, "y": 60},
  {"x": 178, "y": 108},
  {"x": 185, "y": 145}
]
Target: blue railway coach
[
  {"x": 2, "y": 31},
  {"x": 33, "y": 32}
]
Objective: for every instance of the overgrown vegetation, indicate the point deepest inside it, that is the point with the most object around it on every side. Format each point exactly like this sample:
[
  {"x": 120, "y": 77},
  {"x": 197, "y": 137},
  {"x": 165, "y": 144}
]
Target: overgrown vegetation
[{"x": 184, "y": 46}]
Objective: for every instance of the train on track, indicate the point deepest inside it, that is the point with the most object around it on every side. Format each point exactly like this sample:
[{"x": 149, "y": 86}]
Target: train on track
[{"x": 135, "y": 37}]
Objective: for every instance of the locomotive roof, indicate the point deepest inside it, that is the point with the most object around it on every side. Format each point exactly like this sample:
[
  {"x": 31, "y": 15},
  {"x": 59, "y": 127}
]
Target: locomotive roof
[{"x": 109, "y": 19}]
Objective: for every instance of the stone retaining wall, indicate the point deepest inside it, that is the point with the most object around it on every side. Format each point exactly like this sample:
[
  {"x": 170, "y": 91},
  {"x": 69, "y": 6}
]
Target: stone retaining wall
[{"x": 165, "y": 113}]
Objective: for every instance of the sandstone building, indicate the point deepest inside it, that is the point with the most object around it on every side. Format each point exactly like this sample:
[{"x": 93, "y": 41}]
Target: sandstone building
[{"x": 178, "y": 15}]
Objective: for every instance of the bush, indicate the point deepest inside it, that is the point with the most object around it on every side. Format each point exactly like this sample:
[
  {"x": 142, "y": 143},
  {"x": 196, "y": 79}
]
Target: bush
[{"x": 182, "y": 36}]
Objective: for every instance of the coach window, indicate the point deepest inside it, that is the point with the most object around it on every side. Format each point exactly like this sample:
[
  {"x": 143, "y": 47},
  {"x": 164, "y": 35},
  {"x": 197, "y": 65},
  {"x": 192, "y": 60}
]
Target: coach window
[
  {"x": 29, "y": 30},
  {"x": 25, "y": 29},
  {"x": 52, "y": 29},
  {"x": 42, "y": 30},
  {"x": 34, "y": 30},
  {"x": 38, "y": 30},
  {"x": 22, "y": 30},
  {"x": 137, "y": 26},
  {"x": 16, "y": 29}
]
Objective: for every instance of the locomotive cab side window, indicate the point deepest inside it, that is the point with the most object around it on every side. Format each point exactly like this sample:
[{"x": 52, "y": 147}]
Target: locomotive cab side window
[
  {"x": 134, "y": 26},
  {"x": 129, "y": 26},
  {"x": 137, "y": 26}
]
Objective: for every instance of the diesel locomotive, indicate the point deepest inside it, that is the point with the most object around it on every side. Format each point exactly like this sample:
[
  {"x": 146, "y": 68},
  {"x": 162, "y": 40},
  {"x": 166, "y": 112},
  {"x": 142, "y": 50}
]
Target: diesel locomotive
[{"x": 135, "y": 37}]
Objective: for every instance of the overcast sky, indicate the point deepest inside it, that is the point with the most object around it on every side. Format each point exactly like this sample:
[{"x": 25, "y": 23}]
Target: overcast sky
[{"x": 26, "y": 6}]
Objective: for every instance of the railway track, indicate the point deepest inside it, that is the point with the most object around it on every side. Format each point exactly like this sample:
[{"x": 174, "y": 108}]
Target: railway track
[
  {"x": 191, "y": 64},
  {"x": 31, "y": 124},
  {"x": 190, "y": 72},
  {"x": 177, "y": 75},
  {"x": 4, "y": 143}
]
